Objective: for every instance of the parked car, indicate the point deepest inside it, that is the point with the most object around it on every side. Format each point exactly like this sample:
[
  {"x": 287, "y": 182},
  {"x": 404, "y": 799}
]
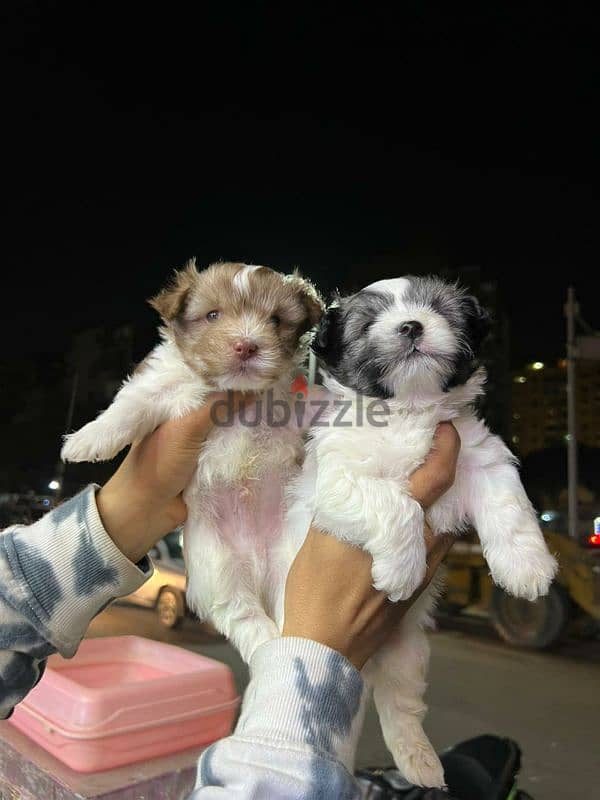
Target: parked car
[{"x": 165, "y": 590}]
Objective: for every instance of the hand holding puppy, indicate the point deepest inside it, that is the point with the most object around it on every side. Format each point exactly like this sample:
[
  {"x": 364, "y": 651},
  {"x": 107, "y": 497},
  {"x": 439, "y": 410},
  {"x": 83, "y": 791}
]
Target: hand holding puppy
[
  {"x": 322, "y": 601},
  {"x": 143, "y": 500}
]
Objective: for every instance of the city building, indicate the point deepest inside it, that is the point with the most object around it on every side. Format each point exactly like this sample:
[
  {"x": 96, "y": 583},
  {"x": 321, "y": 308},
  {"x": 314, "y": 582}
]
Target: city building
[{"x": 539, "y": 406}]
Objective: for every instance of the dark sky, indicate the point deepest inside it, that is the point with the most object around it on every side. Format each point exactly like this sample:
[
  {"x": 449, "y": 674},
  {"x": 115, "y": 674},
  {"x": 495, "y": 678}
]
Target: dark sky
[{"x": 434, "y": 135}]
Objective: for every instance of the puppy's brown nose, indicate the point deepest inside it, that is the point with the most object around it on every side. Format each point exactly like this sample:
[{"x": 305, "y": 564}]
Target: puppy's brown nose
[{"x": 245, "y": 349}]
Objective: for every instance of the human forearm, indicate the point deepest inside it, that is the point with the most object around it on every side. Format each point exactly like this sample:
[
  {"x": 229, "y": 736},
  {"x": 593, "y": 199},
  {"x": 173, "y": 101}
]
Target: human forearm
[
  {"x": 297, "y": 732},
  {"x": 55, "y": 576}
]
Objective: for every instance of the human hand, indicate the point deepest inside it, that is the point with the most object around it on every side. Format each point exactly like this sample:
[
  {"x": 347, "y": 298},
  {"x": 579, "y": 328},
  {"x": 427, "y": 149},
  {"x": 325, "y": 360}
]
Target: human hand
[
  {"x": 437, "y": 473},
  {"x": 143, "y": 500},
  {"x": 329, "y": 593}
]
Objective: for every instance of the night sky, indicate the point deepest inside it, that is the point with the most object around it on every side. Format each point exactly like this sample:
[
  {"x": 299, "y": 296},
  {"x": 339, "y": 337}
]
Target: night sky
[{"x": 438, "y": 135}]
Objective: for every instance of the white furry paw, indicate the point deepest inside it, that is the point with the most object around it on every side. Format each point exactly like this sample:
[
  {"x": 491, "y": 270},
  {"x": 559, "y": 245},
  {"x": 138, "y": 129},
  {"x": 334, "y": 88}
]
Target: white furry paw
[
  {"x": 93, "y": 442},
  {"x": 420, "y": 765},
  {"x": 249, "y": 639},
  {"x": 399, "y": 577},
  {"x": 528, "y": 576}
]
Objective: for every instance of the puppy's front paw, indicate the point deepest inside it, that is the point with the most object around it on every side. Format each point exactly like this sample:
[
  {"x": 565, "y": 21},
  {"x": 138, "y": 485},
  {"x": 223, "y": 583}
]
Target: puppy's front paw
[
  {"x": 527, "y": 575},
  {"x": 92, "y": 443},
  {"x": 399, "y": 576}
]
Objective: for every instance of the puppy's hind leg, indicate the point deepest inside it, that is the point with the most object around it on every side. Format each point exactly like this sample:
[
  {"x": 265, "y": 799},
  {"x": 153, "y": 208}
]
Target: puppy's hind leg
[
  {"x": 398, "y": 675},
  {"x": 222, "y": 591}
]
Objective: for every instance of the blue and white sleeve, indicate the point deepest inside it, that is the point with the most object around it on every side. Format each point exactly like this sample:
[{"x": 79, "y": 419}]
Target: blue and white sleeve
[
  {"x": 55, "y": 576},
  {"x": 297, "y": 733}
]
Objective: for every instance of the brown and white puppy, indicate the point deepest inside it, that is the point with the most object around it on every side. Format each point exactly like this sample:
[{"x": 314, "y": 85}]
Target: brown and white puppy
[
  {"x": 231, "y": 326},
  {"x": 238, "y": 326}
]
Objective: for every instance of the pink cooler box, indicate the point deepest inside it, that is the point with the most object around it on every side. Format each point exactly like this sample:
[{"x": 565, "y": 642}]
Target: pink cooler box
[{"x": 124, "y": 699}]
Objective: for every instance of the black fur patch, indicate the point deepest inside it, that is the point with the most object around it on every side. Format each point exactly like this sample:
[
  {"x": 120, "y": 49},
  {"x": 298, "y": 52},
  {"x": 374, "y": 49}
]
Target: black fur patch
[
  {"x": 345, "y": 349},
  {"x": 327, "y": 342},
  {"x": 477, "y": 324},
  {"x": 342, "y": 347}
]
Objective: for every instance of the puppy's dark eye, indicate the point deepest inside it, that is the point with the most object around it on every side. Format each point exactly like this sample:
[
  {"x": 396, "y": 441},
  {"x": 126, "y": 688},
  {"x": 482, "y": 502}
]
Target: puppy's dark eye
[
  {"x": 213, "y": 315},
  {"x": 275, "y": 320}
]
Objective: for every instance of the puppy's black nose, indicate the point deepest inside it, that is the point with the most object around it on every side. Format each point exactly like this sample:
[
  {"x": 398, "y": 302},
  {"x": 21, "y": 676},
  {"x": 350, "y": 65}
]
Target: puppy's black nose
[{"x": 412, "y": 329}]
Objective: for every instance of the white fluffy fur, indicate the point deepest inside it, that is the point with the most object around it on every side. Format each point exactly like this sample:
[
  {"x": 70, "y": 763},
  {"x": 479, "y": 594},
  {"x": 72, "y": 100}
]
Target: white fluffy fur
[
  {"x": 354, "y": 484},
  {"x": 236, "y": 497},
  {"x": 235, "y": 500},
  {"x": 165, "y": 388}
]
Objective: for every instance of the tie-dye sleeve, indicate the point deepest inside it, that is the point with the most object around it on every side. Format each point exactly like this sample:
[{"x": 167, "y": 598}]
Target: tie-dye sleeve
[
  {"x": 297, "y": 733},
  {"x": 55, "y": 576}
]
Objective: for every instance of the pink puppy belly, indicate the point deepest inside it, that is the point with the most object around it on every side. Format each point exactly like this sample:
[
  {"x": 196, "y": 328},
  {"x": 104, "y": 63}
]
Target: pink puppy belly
[{"x": 250, "y": 517}]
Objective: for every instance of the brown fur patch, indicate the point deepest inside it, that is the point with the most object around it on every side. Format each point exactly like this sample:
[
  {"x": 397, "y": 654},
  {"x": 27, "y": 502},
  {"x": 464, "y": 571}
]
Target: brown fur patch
[
  {"x": 310, "y": 297},
  {"x": 170, "y": 301},
  {"x": 258, "y": 305}
]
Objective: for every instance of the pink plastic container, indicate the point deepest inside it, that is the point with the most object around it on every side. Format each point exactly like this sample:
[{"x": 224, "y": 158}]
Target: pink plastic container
[{"x": 125, "y": 699}]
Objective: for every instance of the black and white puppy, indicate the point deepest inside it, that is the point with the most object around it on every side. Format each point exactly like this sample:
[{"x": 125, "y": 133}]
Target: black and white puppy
[{"x": 411, "y": 344}]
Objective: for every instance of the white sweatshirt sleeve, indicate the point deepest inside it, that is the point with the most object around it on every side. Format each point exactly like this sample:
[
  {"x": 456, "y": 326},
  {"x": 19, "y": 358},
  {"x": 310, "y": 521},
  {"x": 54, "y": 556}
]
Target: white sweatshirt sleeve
[
  {"x": 297, "y": 732},
  {"x": 55, "y": 576},
  {"x": 298, "y": 727}
]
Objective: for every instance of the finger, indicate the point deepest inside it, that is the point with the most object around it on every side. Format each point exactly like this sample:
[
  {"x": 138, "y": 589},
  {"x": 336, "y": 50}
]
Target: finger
[
  {"x": 435, "y": 558},
  {"x": 429, "y": 536},
  {"x": 440, "y": 549},
  {"x": 446, "y": 540},
  {"x": 191, "y": 430},
  {"x": 446, "y": 444},
  {"x": 436, "y": 475},
  {"x": 437, "y": 542}
]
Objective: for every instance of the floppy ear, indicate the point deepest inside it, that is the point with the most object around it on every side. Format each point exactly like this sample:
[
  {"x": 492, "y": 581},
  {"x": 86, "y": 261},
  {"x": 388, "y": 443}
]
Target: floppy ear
[
  {"x": 170, "y": 302},
  {"x": 478, "y": 325},
  {"x": 479, "y": 322},
  {"x": 327, "y": 344},
  {"x": 311, "y": 300}
]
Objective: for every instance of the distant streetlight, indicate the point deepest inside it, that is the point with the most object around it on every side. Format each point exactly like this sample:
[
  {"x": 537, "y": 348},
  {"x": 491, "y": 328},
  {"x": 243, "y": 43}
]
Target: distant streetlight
[
  {"x": 520, "y": 379},
  {"x": 537, "y": 365},
  {"x": 54, "y": 485}
]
